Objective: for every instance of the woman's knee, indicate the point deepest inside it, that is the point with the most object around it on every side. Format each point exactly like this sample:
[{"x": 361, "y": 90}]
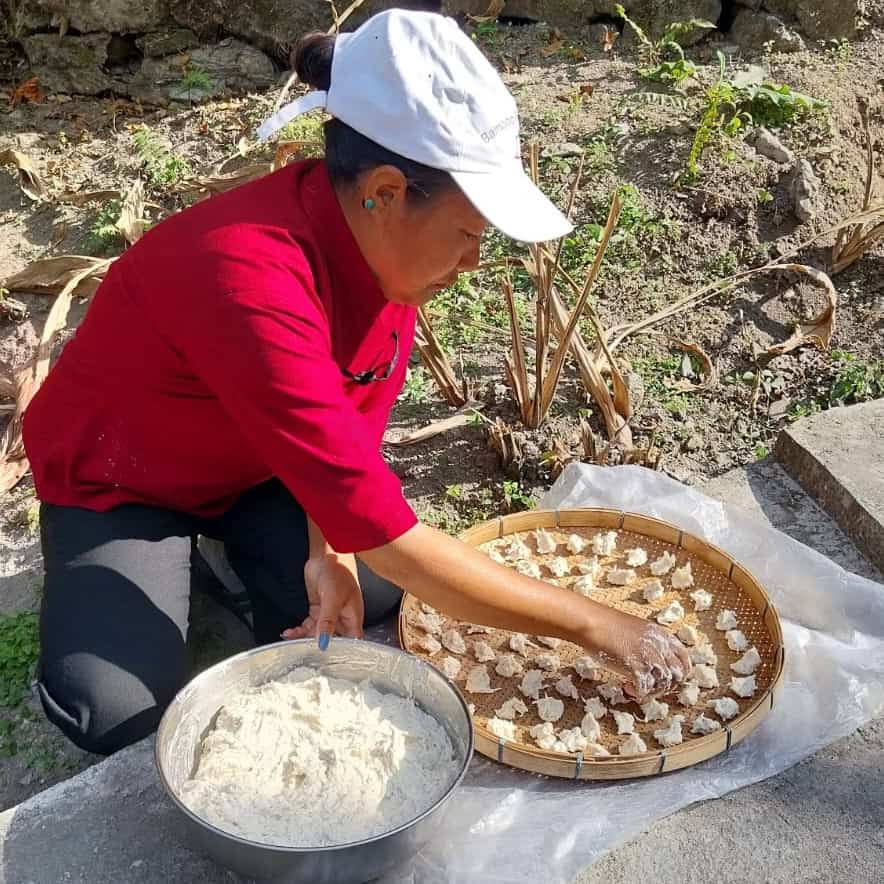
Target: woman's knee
[{"x": 101, "y": 707}]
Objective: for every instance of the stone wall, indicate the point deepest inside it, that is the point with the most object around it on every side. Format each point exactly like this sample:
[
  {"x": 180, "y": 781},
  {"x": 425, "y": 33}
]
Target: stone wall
[{"x": 146, "y": 48}]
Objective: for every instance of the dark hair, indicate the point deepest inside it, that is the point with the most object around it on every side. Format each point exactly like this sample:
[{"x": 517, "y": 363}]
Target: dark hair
[{"x": 347, "y": 153}]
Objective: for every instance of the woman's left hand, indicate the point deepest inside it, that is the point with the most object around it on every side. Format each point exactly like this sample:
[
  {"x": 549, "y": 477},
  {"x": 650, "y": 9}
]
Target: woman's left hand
[{"x": 335, "y": 598}]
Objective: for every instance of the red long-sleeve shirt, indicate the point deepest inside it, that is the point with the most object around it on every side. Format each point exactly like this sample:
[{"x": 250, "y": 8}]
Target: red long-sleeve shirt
[{"x": 211, "y": 360}]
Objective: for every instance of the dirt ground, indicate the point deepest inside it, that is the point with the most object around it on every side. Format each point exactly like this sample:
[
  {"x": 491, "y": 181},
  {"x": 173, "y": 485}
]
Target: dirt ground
[{"x": 674, "y": 237}]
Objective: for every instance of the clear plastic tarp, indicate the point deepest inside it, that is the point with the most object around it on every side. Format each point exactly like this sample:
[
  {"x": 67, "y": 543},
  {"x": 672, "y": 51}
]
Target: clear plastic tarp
[{"x": 508, "y": 826}]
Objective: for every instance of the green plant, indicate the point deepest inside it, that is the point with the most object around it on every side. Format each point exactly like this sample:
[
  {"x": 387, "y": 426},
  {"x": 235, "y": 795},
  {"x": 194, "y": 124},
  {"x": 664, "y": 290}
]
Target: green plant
[
  {"x": 761, "y": 452},
  {"x": 855, "y": 380},
  {"x": 486, "y": 32},
  {"x": 723, "y": 265},
  {"x": 416, "y": 387},
  {"x": 195, "y": 79},
  {"x": 104, "y": 234},
  {"x": 763, "y": 197},
  {"x": 19, "y": 649},
  {"x": 455, "y": 492},
  {"x": 516, "y": 498},
  {"x": 161, "y": 167}
]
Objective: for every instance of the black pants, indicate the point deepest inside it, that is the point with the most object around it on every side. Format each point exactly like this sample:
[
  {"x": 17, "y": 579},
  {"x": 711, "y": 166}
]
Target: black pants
[{"x": 116, "y": 599}]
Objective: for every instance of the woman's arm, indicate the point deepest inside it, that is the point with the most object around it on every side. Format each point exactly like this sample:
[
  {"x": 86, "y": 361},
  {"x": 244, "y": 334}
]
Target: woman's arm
[{"x": 467, "y": 585}]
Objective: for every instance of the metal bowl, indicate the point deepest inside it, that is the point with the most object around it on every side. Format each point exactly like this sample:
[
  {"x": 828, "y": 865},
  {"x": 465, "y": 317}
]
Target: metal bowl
[{"x": 193, "y": 711}]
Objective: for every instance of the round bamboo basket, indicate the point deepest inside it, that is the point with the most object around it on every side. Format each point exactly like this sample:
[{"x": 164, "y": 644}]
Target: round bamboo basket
[{"x": 733, "y": 588}]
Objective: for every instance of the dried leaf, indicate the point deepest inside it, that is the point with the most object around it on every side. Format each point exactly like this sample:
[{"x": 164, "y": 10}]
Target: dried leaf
[
  {"x": 74, "y": 198},
  {"x": 818, "y": 332},
  {"x": 28, "y": 179},
  {"x": 29, "y": 90},
  {"x": 707, "y": 370},
  {"x": 553, "y": 43},
  {"x": 212, "y": 184},
  {"x": 285, "y": 150},
  {"x": 132, "y": 222},
  {"x": 49, "y": 276},
  {"x": 461, "y": 419},
  {"x": 340, "y": 19},
  {"x": 609, "y": 39},
  {"x": 436, "y": 361},
  {"x": 495, "y": 7}
]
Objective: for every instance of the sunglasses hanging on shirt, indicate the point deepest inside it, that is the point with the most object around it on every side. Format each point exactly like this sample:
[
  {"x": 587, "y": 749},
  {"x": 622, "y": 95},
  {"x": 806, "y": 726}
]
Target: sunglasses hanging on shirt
[{"x": 376, "y": 374}]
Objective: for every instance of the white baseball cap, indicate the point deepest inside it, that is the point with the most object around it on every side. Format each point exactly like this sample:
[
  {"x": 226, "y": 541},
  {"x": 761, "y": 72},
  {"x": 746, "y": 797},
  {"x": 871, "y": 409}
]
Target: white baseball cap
[{"x": 415, "y": 84}]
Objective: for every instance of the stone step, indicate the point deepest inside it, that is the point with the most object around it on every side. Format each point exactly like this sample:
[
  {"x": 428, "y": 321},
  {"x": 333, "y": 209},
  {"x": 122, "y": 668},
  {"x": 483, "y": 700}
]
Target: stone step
[{"x": 838, "y": 457}]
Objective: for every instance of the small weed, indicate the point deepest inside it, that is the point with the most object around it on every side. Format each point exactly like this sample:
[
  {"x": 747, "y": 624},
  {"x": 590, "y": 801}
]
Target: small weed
[
  {"x": 653, "y": 53},
  {"x": 309, "y": 128},
  {"x": 486, "y": 32},
  {"x": 761, "y": 452},
  {"x": 763, "y": 197},
  {"x": 19, "y": 648},
  {"x": 721, "y": 266},
  {"x": 455, "y": 492},
  {"x": 680, "y": 403},
  {"x": 840, "y": 52},
  {"x": 803, "y": 409},
  {"x": 195, "y": 81},
  {"x": 416, "y": 388},
  {"x": 855, "y": 380},
  {"x": 104, "y": 235},
  {"x": 516, "y": 498},
  {"x": 161, "y": 167}
]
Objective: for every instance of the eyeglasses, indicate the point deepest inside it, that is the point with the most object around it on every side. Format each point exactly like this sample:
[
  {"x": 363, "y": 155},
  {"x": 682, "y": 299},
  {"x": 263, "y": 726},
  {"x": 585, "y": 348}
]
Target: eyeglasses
[{"x": 375, "y": 374}]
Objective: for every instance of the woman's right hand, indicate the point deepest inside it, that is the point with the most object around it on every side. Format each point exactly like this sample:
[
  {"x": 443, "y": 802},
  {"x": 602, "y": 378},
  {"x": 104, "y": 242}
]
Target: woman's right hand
[{"x": 651, "y": 658}]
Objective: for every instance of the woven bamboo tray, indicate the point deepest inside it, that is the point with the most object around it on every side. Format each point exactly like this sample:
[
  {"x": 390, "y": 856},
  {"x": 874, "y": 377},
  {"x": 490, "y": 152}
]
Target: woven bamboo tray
[{"x": 732, "y": 587}]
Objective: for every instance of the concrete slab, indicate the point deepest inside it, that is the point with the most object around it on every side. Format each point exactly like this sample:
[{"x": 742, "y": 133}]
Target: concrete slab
[{"x": 838, "y": 457}]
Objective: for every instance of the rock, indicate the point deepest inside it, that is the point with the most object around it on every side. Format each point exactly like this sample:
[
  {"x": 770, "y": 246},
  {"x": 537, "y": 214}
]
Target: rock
[
  {"x": 69, "y": 64},
  {"x": 694, "y": 442},
  {"x": 562, "y": 149},
  {"x": 768, "y": 145},
  {"x": 88, "y": 16},
  {"x": 804, "y": 190},
  {"x": 756, "y": 29},
  {"x": 821, "y": 19},
  {"x": 779, "y": 408},
  {"x": 230, "y": 64},
  {"x": 167, "y": 42}
]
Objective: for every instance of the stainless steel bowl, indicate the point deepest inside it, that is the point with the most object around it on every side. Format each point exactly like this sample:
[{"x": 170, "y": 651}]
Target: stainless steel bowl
[{"x": 193, "y": 711}]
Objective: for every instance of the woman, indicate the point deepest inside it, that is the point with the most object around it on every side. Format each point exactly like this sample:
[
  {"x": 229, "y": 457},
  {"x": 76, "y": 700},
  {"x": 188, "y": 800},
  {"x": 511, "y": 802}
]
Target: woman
[{"x": 233, "y": 378}]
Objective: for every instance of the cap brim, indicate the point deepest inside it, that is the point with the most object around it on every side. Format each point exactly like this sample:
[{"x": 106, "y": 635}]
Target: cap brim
[{"x": 508, "y": 199}]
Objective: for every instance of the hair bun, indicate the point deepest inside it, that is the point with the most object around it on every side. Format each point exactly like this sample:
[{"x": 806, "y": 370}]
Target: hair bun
[{"x": 312, "y": 60}]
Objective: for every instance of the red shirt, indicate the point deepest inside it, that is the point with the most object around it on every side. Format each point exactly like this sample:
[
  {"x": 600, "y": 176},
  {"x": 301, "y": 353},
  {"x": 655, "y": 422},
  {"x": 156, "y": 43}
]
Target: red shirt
[{"x": 211, "y": 360}]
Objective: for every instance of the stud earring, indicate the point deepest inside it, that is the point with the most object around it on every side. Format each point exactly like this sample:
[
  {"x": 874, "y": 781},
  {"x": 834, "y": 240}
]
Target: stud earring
[{"x": 368, "y": 204}]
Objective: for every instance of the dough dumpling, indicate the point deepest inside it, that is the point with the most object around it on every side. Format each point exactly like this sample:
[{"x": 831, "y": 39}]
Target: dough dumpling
[
  {"x": 544, "y": 735},
  {"x": 550, "y": 708},
  {"x": 479, "y": 630},
  {"x": 625, "y": 722},
  {"x": 590, "y": 727},
  {"x": 682, "y": 577},
  {"x": 633, "y": 745},
  {"x": 429, "y": 644},
  {"x": 596, "y": 750},
  {"x": 595, "y": 707},
  {"x": 672, "y": 613},
  {"x": 549, "y": 662},
  {"x": 584, "y": 585},
  {"x": 748, "y": 663},
  {"x": 653, "y": 590},
  {"x": 725, "y": 707},
  {"x": 654, "y": 710},
  {"x": 587, "y": 668},
  {"x": 726, "y": 620},
  {"x": 704, "y": 725},
  {"x": 520, "y": 644},
  {"x": 517, "y": 550},
  {"x": 453, "y": 641},
  {"x": 688, "y": 635},
  {"x": 506, "y": 730},
  {"x": 508, "y": 666},
  {"x": 621, "y": 576},
  {"x": 670, "y": 735},
  {"x": 702, "y": 600},
  {"x": 703, "y": 654},
  {"x": 511, "y": 708},
  {"x": 576, "y": 544},
  {"x": 663, "y": 565},
  {"x": 743, "y": 687},
  {"x": 483, "y": 652},
  {"x": 605, "y": 543},
  {"x": 559, "y": 567},
  {"x": 428, "y": 609},
  {"x": 528, "y": 568},
  {"x": 450, "y": 668},
  {"x": 565, "y": 687},
  {"x": 546, "y": 543},
  {"x": 635, "y": 558},
  {"x": 573, "y": 739},
  {"x": 495, "y": 556},
  {"x": 689, "y": 694},
  {"x": 613, "y": 693},
  {"x": 532, "y": 681},
  {"x": 591, "y": 568},
  {"x": 479, "y": 681},
  {"x": 736, "y": 641},
  {"x": 430, "y": 623},
  {"x": 549, "y": 641},
  {"x": 705, "y": 676}
]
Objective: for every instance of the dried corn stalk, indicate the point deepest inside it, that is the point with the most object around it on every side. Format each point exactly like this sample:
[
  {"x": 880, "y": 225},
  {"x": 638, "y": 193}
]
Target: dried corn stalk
[{"x": 434, "y": 358}]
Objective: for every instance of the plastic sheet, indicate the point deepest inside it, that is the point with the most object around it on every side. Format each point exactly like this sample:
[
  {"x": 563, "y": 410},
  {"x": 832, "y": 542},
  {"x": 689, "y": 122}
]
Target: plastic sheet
[{"x": 509, "y": 826}]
